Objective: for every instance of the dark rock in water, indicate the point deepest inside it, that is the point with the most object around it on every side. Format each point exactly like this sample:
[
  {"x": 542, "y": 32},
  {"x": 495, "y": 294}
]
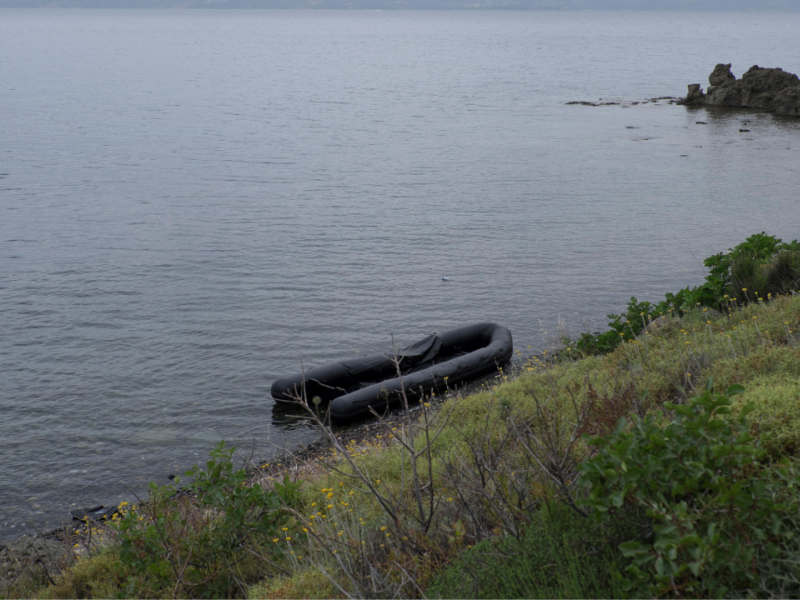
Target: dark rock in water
[
  {"x": 695, "y": 94},
  {"x": 721, "y": 75},
  {"x": 760, "y": 87},
  {"x": 94, "y": 513},
  {"x": 726, "y": 95},
  {"x": 787, "y": 102},
  {"x": 773, "y": 90},
  {"x": 626, "y": 104},
  {"x": 586, "y": 103}
]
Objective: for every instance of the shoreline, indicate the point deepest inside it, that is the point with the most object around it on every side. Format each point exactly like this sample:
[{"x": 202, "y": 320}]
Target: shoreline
[
  {"x": 47, "y": 553},
  {"x": 655, "y": 360}
]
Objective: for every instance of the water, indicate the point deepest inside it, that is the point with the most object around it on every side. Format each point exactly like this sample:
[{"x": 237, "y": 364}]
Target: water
[{"x": 193, "y": 202}]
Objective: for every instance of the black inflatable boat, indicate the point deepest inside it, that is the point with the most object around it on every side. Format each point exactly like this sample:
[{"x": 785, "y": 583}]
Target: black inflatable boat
[{"x": 430, "y": 365}]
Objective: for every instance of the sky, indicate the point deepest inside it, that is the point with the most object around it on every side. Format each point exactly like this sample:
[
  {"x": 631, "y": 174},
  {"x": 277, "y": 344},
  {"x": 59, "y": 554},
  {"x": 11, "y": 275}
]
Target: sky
[{"x": 793, "y": 5}]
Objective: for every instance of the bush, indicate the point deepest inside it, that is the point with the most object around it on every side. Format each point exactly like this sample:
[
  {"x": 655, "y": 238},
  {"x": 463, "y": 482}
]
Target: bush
[
  {"x": 96, "y": 577},
  {"x": 749, "y": 280},
  {"x": 756, "y": 269},
  {"x": 784, "y": 274},
  {"x": 636, "y": 318},
  {"x": 748, "y": 268},
  {"x": 712, "y": 519},
  {"x": 198, "y": 544}
]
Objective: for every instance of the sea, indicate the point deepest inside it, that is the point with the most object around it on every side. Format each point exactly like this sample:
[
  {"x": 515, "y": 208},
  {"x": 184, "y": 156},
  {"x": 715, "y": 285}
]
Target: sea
[{"x": 194, "y": 203}]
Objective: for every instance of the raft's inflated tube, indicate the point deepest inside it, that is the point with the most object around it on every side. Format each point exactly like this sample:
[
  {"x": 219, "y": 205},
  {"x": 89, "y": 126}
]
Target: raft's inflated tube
[{"x": 431, "y": 365}]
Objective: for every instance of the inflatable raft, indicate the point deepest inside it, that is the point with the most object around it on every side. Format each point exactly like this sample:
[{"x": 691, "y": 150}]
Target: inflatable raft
[{"x": 431, "y": 365}]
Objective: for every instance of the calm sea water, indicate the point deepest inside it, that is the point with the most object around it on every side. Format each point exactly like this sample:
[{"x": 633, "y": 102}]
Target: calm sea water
[{"x": 193, "y": 202}]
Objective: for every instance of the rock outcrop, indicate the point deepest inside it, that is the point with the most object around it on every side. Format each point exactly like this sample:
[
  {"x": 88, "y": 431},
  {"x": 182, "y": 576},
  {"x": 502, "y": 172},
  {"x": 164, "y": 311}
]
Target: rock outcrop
[{"x": 772, "y": 90}]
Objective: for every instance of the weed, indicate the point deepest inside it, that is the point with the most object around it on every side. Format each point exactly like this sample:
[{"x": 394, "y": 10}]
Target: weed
[{"x": 559, "y": 556}]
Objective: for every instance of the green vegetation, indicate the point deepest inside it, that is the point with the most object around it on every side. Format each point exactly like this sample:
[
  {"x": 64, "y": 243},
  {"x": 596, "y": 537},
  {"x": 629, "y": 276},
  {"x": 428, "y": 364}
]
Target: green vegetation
[
  {"x": 200, "y": 544},
  {"x": 559, "y": 556},
  {"x": 615, "y": 469},
  {"x": 760, "y": 267},
  {"x": 713, "y": 517}
]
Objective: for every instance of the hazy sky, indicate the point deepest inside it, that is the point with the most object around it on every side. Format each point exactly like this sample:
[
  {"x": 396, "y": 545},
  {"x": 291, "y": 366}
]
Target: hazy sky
[{"x": 424, "y": 4}]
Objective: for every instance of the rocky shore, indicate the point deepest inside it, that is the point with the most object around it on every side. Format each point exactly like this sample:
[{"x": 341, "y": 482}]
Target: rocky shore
[
  {"x": 626, "y": 103},
  {"x": 764, "y": 89},
  {"x": 771, "y": 90}
]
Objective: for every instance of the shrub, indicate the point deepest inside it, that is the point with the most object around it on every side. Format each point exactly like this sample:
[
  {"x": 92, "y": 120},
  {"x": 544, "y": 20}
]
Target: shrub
[
  {"x": 636, "y": 318},
  {"x": 757, "y": 268},
  {"x": 747, "y": 268},
  {"x": 98, "y": 576},
  {"x": 749, "y": 279},
  {"x": 712, "y": 519},
  {"x": 784, "y": 274},
  {"x": 775, "y": 397},
  {"x": 200, "y": 546}
]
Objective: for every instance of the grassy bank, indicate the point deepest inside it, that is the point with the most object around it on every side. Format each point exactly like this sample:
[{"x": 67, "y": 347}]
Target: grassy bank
[{"x": 656, "y": 459}]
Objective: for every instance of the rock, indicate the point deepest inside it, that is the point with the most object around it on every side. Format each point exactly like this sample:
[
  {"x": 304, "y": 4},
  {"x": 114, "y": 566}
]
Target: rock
[
  {"x": 721, "y": 75},
  {"x": 31, "y": 559},
  {"x": 725, "y": 95},
  {"x": 760, "y": 86},
  {"x": 787, "y": 102},
  {"x": 626, "y": 103},
  {"x": 95, "y": 513},
  {"x": 587, "y": 103},
  {"x": 773, "y": 90},
  {"x": 695, "y": 94}
]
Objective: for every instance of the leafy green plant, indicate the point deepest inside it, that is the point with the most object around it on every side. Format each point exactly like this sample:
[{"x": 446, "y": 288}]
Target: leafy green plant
[
  {"x": 623, "y": 327},
  {"x": 197, "y": 542},
  {"x": 244, "y": 509},
  {"x": 741, "y": 271},
  {"x": 708, "y": 512},
  {"x": 757, "y": 268}
]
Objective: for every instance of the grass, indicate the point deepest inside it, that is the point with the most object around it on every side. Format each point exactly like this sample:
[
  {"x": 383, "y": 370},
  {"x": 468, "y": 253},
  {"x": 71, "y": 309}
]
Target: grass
[
  {"x": 302, "y": 583},
  {"x": 98, "y": 576},
  {"x": 558, "y": 557},
  {"x": 500, "y": 478}
]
